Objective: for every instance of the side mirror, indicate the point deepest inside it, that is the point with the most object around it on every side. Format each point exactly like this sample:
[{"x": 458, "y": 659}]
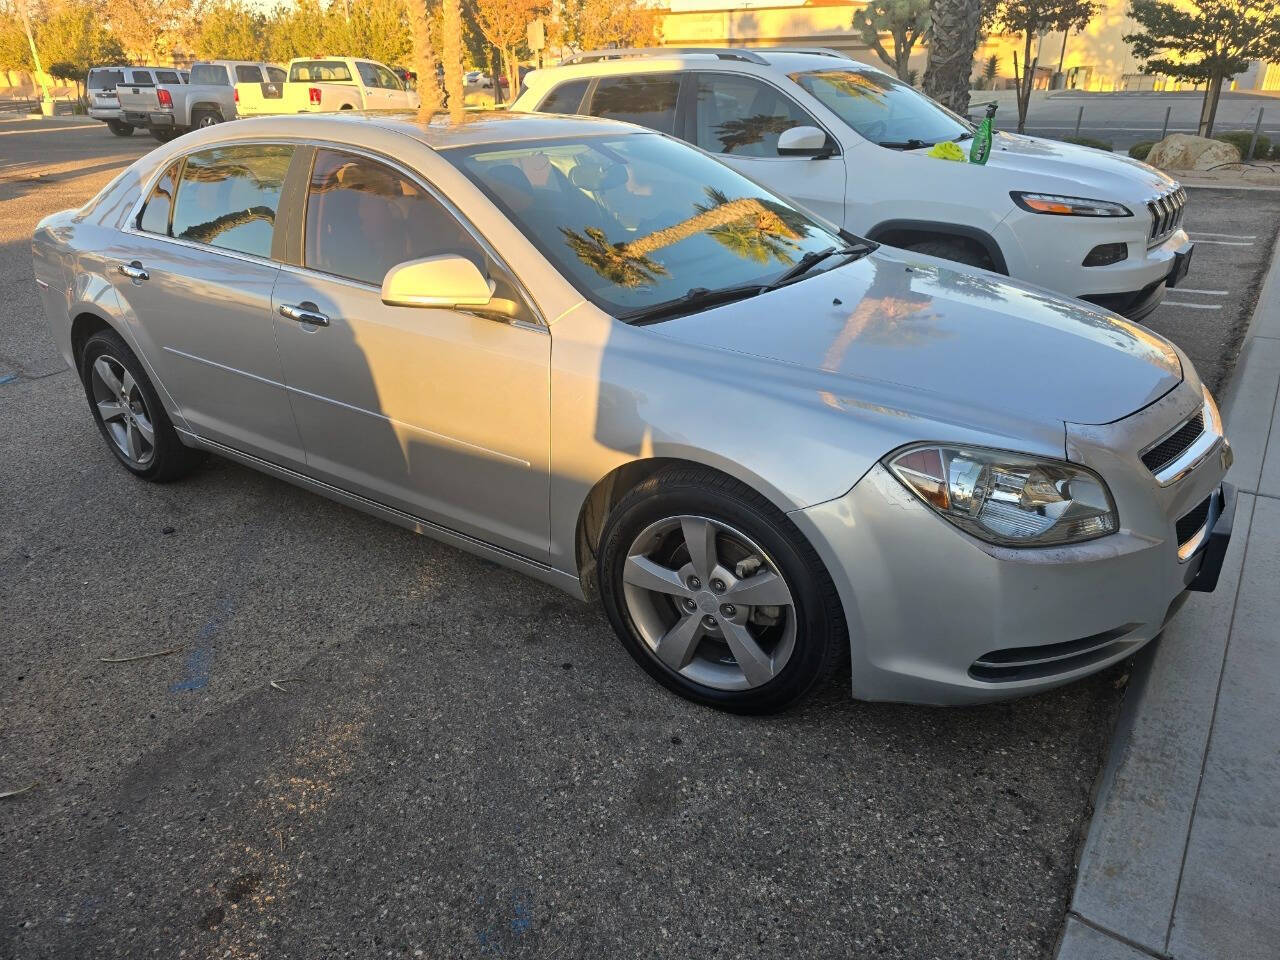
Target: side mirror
[
  {"x": 448, "y": 280},
  {"x": 803, "y": 142}
]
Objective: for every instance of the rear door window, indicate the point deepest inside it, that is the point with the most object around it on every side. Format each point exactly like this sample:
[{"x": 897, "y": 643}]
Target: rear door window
[
  {"x": 368, "y": 75},
  {"x": 247, "y": 73},
  {"x": 566, "y": 98},
  {"x": 320, "y": 71},
  {"x": 213, "y": 74},
  {"x": 647, "y": 99},
  {"x": 227, "y": 196},
  {"x": 141, "y": 78}
]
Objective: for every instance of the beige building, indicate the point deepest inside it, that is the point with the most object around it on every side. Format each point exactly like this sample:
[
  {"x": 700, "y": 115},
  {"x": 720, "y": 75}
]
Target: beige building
[{"x": 1096, "y": 58}]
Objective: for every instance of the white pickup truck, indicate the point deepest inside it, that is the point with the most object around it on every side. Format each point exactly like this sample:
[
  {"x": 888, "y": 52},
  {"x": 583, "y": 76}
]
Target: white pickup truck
[
  {"x": 328, "y": 84},
  {"x": 209, "y": 97}
]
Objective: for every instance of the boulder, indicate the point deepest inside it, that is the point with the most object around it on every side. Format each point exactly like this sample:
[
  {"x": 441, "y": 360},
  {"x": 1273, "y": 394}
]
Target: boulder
[{"x": 1182, "y": 151}]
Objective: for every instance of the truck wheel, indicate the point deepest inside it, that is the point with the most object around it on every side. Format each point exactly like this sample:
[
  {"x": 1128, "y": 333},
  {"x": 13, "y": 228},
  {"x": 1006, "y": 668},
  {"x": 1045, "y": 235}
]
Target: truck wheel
[
  {"x": 163, "y": 134},
  {"x": 205, "y": 118},
  {"x": 120, "y": 128}
]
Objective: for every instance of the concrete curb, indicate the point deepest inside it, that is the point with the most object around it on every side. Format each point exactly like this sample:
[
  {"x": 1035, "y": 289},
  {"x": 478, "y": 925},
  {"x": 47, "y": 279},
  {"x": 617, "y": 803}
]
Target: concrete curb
[{"x": 1180, "y": 856}]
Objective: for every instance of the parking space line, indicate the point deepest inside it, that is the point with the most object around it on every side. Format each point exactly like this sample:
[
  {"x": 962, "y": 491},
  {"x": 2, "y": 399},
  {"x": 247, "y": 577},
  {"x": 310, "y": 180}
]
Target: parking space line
[
  {"x": 1207, "y": 293},
  {"x": 78, "y": 126},
  {"x": 1227, "y": 236},
  {"x": 1193, "y": 306},
  {"x": 1226, "y": 243}
]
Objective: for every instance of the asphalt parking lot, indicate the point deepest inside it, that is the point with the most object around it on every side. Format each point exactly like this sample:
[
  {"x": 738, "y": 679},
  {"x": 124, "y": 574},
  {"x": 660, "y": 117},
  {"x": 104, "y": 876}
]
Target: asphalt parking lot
[{"x": 455, "y": 760}]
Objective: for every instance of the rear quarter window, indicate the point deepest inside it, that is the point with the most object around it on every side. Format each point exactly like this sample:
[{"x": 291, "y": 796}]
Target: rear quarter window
[
  {"x": 566, "y": 98},
  {"x": 167, "y": 76}
]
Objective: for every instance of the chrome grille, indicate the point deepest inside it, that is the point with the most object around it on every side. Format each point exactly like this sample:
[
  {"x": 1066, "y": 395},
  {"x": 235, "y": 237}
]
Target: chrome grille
[
  {"x": 1166, "y": 214},
  {"x": 1171, "y": 447}
]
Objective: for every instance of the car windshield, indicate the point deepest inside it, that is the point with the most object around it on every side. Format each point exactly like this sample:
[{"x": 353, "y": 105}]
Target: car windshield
[
  {"x": 638, "y": 220},
  {"x": 883, "y": 110}
]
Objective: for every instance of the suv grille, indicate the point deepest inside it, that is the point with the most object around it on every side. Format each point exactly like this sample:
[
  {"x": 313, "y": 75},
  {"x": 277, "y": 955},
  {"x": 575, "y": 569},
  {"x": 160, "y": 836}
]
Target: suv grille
[
  {"x": 1166, "y": 214},
  {"x": 1172, "y": 446},
  {"x": 1193, "y": 521}
]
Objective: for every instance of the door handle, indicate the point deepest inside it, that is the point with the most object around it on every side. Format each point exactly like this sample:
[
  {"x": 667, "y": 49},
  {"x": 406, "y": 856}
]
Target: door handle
[
  {"x": 304, "y": 313},
  {"x": 134, "y": 271}
]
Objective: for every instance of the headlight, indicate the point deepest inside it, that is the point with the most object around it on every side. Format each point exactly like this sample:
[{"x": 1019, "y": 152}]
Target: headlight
[
  {"x": 1068, "y": 206},
  {"x": 1009, "y": 499}
]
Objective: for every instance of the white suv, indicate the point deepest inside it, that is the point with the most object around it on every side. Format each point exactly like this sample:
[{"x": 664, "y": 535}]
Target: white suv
[{"x": 851, "y": 143}]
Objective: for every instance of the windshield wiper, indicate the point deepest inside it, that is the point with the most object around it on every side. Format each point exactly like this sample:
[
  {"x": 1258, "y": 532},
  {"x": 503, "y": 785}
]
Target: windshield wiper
[
  {"x": 912, "y": 144},
  {"x": 694, "y": 299},
  {"x": 813, "y": 258},
  {"x": 964, "y": 136}
]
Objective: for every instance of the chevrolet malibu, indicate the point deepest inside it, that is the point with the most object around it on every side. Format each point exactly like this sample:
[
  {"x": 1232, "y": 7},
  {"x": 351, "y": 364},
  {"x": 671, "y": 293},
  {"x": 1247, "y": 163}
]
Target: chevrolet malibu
[{"x": 592, "y": 353}]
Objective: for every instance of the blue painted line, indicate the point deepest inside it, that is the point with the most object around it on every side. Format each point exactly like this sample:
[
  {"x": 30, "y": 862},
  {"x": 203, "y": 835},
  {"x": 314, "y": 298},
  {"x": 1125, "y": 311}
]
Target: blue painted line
[
  {"x": 8, "y": 377},
  {"x": 195, "y": 674}
]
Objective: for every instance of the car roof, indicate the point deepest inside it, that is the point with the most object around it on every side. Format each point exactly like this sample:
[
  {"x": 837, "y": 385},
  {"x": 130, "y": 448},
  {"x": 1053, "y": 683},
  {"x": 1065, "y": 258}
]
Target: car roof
[
  {"x": 658, "y": 59},
  {"x": 496, "y": 127}
]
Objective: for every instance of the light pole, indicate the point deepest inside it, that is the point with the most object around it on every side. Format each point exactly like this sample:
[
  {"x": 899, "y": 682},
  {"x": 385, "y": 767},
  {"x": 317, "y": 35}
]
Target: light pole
[{"x": 46, "y": 105}]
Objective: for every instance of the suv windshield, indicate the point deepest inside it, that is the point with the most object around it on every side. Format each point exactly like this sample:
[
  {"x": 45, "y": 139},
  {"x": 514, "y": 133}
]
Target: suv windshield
[
  {"x": 638, "y": 220},
  {"x": 883, "y": 110}
]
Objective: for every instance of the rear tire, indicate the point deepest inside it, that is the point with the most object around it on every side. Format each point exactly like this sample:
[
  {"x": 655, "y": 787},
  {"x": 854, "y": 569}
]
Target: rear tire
[
  {"x": 163, "y": 134},
  {"x": 953, "y": 248},
  {"x": 756, "y": 631},
  {"x": 120, "y": 128},
  {"x": 128, "y": 411},
  {"x": 205, "y": 118}
]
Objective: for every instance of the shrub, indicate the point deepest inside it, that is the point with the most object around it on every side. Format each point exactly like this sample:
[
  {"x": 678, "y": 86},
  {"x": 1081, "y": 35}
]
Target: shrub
[
  {"x": 1139, "y": 151},
  {"x": 1240, "y": 140},
  {"x": 1090, "y": 142}
]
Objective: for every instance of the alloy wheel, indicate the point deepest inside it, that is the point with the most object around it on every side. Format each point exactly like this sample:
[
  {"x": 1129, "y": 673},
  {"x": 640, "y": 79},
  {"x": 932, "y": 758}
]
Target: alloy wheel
[
  {"x": 123, "y": 410},
  {"x": 709, "y": 603}
]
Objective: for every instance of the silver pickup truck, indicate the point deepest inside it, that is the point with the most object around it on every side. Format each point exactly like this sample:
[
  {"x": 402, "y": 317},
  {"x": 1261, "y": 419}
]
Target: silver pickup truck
[
  {"x": 168, "y": 110},
  {"x": 100, "y": 87}
]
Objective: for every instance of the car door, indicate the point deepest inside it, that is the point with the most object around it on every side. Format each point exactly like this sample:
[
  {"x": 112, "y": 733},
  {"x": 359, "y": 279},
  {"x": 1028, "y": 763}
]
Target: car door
[
  {"x": 196, "y": 273},
  {"x": 440, "y": 413},
  {"x": 397, "y": 98},
  {"x": 648, "y": 99},
  {"x": 738, "y": 119},
  {"x": 374, "y": 97}
]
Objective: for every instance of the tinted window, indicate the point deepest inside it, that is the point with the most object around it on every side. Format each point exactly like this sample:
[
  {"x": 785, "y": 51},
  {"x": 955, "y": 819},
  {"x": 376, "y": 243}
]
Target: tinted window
[
  {"x": 368, "y": 75},
  {"x": 320, "y": 70},
  {"x": 882, "y": 109},
  {"x": 141, "y": 78},
  {"x": 276, "y": 75},
  {"x": 167, "y": 76},
  {"x": 105, "y": 79},
  {"x": 637, "y": 220},
  {"x": 227, "y": 196},
  {"x": 743, "y": 116},
  {"x": 155, "y": 215},
  {"x": 648, "y": 100},
  {"x": 248, "y": 74},
  {"x": 363, "y": 218},
  {"x": 387, "y": 79},
  {"x": 566, "y": 98},
  {"x": 210, "y": 73}
]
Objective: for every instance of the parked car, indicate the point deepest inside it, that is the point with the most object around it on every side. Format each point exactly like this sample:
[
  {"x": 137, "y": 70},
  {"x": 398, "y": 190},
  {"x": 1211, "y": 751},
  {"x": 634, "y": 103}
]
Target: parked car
[
  {"x": 594, "y": 354},
  {"x": 851, "y": 143},
  {"x": 168, "y": 110},
  {"x": 331, "y": 84},
  {"x": 104, "y": 102}
]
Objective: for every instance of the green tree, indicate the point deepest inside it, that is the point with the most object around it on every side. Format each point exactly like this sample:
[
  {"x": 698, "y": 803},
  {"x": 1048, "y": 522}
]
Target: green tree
[
  {"x": 594, "y": 24},
  {"x": 1211, "y": 41},
  {"x": 1033, "y": 18},
  {"x": 230, "y": 30},
  {"x": 905, "y": 21},
  {"x": 15, "y": 54},
  {"x": 295, "y": 30},
  {"x": 991, "y": 70}
]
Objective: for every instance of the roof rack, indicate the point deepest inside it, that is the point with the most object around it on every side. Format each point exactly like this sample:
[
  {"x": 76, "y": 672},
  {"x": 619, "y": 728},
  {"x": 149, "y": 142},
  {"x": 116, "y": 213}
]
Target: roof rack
[
  {"x": 721, "y": 53},
  {"x": 816, "y": 51}
]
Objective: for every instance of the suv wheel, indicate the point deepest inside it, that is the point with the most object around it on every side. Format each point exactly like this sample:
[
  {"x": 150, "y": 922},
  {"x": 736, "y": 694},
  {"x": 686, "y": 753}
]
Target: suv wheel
[
  {"x": 717, "y": 595},
  {"x": 120, "y": 128},
  {"x": 205, "y": 118},
  {"x": 129, "y": 413},
  {"x": 953, "y": 248}
]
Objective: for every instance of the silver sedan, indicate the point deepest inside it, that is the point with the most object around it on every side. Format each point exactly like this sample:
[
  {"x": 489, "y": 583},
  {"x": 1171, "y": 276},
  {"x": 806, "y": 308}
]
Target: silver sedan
[{"x": 593, "y": 353}]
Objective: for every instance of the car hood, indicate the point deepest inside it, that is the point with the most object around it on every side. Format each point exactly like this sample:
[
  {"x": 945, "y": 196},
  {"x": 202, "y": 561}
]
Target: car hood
[
  {"x": 1083, "y": 171},
  {"x": 969, "y": 338}
]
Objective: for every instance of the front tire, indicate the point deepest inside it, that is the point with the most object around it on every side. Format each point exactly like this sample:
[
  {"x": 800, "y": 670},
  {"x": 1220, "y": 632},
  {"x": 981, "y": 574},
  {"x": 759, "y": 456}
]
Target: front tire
[
  {"x": 120, "y": 128},
  {"x": 717, "y": 595},
  {"x": 128, "y": 411}
]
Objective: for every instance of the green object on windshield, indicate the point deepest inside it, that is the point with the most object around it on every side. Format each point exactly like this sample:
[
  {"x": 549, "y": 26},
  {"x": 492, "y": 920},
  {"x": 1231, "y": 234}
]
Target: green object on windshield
[{"x": 981, "y": 149}]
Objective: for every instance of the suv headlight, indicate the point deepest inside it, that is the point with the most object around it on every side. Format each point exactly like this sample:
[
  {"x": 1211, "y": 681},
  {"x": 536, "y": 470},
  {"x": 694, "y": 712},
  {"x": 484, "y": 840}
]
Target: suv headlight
[
  {"x": 1053, "y": 204},
  {"x": 1005, "y": 498}
]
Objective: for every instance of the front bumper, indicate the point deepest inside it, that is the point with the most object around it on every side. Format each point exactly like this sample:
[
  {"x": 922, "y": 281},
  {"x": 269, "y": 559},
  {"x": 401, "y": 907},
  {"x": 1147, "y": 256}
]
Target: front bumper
[{"x": 938, "y": 617}]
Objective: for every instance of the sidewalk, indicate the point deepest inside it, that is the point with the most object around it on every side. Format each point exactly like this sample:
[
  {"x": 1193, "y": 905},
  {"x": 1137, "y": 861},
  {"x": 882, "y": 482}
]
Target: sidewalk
[{"x": 1182, "y": 858}]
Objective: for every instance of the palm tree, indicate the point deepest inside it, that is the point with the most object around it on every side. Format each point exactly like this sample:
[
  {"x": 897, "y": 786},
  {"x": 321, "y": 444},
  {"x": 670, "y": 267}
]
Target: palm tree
[
  {"x": 424, "y": 60},
  {"x": 210, "y": 230},
  {"x": 750, "y": 239},
  {"x": 956, "y": 25},
  {"x": 451, "y": 40},
  {"x": 613, "y": 261},
  {"x": 708, "y": 219}
]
